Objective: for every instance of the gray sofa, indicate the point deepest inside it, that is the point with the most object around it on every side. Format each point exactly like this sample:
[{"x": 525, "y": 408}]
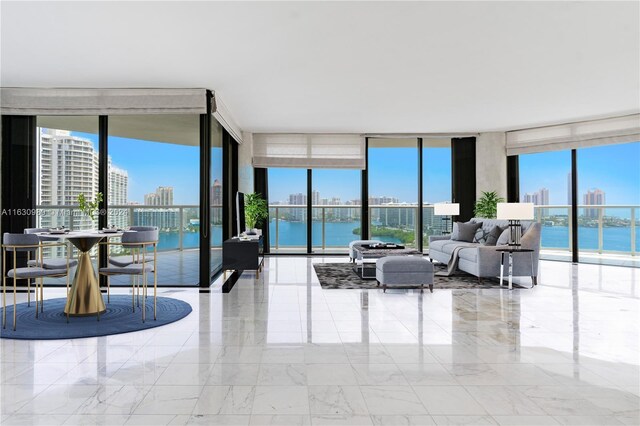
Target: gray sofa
[{"x": 484, "y": 261}]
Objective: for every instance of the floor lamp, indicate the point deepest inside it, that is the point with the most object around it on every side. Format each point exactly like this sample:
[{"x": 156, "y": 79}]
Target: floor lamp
[
  {"x": 514, "y": 213},
  {"x": 446, "y": 210}
]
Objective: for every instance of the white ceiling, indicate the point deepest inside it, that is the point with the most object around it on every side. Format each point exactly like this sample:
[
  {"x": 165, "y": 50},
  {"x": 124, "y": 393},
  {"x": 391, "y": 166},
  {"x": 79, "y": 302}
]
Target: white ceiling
[{"x": 384, "y": 67}]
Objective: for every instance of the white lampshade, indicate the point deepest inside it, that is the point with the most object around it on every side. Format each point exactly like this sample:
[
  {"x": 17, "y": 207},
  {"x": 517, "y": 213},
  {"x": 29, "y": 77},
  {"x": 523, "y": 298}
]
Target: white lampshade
[
  {"x": 515, "y": 211},
  {"x": 446, "y": 209}
]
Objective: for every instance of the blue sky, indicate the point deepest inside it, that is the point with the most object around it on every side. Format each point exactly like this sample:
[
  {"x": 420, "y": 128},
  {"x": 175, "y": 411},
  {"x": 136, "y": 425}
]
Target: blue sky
[
  {"x": 392, "y": 172},
  {"x": 615, "y": 169},
  {"x": 153, "y": 164}
]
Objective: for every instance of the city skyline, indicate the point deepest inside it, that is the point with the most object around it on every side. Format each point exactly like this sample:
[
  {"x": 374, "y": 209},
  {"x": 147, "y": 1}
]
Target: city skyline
[
  {"x": 620, "y": 179},
  {"x": 611, "y": 168}
]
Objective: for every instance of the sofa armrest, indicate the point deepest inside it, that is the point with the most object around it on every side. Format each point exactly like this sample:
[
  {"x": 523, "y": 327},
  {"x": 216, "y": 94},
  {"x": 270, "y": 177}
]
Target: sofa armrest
[{"x": 439, "y": 237}]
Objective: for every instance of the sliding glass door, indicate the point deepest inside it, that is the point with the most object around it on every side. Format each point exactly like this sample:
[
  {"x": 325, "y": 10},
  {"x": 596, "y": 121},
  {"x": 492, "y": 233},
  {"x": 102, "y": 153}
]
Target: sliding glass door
[
  {"x": 609, "y": 200},
  {"x": 154, "y": 181},
  {"x": 393, "y": 190},
  {"x": 545, "y": 181},
  {"x": 336, "y": 208},
  {"x": 288, "y": 209},
  {"x": 436, "y": 186}
]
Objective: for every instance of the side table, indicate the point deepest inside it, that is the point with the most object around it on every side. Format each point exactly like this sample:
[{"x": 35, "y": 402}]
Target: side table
[{"x": 510, "y": 251}]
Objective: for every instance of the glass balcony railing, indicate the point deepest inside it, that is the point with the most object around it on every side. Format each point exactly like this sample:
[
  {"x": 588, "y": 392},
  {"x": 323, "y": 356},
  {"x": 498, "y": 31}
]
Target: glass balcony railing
[
  {"x": 179, "y": 224},
  {"x": 601, "y": 229},
  {"x": 335, "y": 226}
]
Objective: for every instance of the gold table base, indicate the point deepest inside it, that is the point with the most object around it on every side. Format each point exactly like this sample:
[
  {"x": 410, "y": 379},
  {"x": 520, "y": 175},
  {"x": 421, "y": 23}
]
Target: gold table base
[{"x": 84, "y": 297}]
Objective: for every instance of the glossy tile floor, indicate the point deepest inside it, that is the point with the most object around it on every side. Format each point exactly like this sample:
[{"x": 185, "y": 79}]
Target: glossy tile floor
[{"x": 280, "y": 350}]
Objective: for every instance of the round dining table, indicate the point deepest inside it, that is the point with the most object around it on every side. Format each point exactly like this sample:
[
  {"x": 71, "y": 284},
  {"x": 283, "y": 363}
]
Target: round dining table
[{"x": 84, "y": 298}]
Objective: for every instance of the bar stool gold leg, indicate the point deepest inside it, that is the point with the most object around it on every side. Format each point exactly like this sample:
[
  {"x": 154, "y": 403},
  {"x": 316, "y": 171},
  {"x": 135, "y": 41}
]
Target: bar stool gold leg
[
  {"x": 155, "y": 282},
  {"x": 41, "y": 294},
  {"x": 108, "y": 289},
  {"x": 15, "y": 296},
  {"x": 4, "y": 293},
  {"x": 143, "y": 282}
]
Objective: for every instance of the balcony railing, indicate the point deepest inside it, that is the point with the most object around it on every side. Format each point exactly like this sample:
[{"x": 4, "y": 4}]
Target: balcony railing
[
  {"x": 602, "y": 229},
  {"x": 179, "y": 224},
  {"x": 334, "y": 226}
]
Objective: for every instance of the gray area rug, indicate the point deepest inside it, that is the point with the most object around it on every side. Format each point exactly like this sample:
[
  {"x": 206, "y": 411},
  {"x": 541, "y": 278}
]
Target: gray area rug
[{"x": 342, "y": 276}]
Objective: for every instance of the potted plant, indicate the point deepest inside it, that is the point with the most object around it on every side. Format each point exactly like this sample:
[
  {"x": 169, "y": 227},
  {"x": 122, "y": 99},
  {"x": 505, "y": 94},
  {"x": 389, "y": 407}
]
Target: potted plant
[
  {"x": 256, "y": 211},
  {"x": 89, "y": 207},
  {"x": 487, "y": 205}
]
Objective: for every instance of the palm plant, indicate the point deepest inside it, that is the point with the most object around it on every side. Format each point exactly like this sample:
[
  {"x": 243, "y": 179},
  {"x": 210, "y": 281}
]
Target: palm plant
[
  {"x": 487, "y": 205},
  {"x": 255, "y": 209}
]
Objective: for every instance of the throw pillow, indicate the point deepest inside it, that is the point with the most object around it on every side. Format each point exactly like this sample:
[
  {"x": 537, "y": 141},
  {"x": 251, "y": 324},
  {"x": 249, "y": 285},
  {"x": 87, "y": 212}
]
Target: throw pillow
[
  {"x": 465, "y": 231},
  {"x": 494, "y": 235},
  {"x": 503, "y": 240},
  {"x": 481, "y": 236}
]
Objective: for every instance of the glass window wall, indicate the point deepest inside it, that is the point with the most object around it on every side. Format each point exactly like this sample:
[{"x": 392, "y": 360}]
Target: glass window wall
[
  {"x": 154, "y": 180},
  {"x": 287, "y": 209},
  {"x": 393, "y": 190},
  {"x": 336, "y": 208}
]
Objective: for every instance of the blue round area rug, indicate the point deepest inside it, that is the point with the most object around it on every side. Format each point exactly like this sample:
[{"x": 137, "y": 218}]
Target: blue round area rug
[{"x": 119, "y": 318}]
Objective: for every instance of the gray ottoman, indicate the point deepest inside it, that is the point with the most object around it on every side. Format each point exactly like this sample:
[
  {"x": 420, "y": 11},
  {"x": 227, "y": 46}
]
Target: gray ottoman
[{"x": 404, "y": 271}]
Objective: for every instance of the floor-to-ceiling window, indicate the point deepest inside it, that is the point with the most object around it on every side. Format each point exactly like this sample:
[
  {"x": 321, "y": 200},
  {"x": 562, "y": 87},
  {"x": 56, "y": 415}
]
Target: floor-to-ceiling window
[
  {"x": 288, "y": 209},
  {"x": 609, "y": 201},
  {"x": 393, "y": 189},
  {"x": 216, "y": 193},
  {"x": 545, "y": 181},
  {"x": 336, "y": 208},
  {"x": 436, "y": 185},
  {"x": 154, "y": 180}
]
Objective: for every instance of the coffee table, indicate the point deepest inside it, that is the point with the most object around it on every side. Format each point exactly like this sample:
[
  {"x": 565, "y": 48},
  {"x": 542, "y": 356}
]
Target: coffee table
[{"x": 366, "y": 258}]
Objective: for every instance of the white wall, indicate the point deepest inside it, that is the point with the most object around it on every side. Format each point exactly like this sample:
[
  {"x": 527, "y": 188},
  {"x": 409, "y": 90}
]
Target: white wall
[
  {"x": 245, "y": 169},
  {"x": 491, "y": 163}
]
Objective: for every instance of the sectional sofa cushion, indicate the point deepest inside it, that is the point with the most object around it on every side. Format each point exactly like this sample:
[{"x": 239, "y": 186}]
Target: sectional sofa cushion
[
  {"x": 465, "y": 231},
  {"x": 494, "y": 235},
  {"x": 503, "y": 240}
]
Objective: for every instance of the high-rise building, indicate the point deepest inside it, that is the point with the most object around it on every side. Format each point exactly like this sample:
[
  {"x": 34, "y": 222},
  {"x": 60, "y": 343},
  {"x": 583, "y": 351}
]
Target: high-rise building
[
  {"x": 315, "y": 197},
  {"x": 68, "y": 167},
  {"x": 118, "y": 195},
  {"x": 162, "y": 197},
  {"x": 594, "y": 197},
  {"x": 539, "y": 198},
  {"x": 216, "y": 201},
  {"x": 298, "y": 199}
]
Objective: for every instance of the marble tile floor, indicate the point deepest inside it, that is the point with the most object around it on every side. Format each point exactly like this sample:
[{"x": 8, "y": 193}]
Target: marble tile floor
[{"x": 281, "y": 350}]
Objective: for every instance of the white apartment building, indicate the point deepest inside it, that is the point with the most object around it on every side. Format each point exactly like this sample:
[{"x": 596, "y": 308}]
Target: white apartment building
[{"x": 68, "y": 167}]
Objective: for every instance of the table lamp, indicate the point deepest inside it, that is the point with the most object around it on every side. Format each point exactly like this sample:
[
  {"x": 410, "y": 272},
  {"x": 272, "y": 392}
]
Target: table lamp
[
  {"x": 446, "y": 210},
  {"x": 514, "y": 213}
]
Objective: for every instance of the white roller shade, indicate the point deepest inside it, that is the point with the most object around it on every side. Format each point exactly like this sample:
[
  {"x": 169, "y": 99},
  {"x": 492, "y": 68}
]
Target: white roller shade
[
  {"x": 74, "y": 101},
  {"x": 574, "y": 135},
  {"x": 309, "y": 151}
]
